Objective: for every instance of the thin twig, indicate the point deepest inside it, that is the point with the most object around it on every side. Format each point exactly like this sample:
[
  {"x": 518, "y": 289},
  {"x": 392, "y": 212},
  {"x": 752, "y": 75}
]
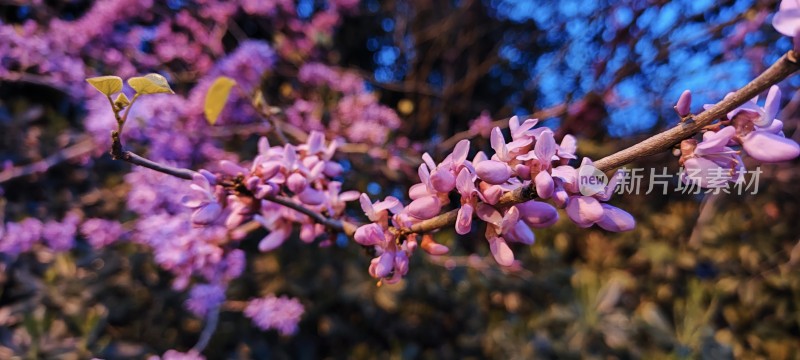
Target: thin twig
[
  {"x": 211, "y": 325},
  {"x": 118, "y": 154}
]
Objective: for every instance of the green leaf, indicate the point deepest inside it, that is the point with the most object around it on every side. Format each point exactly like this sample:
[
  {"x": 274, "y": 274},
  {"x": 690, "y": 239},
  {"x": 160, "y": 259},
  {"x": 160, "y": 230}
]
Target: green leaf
[
  {"x": 122, "y": 101},
  {"x": 216, "y": 97},
  {"x": 106, "y": 84},
  {"x": 150, "y": 84}
]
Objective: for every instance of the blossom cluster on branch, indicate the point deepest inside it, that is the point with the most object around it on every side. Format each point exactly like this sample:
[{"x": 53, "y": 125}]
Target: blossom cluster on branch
[
  {"x": 531, "y": 157},
  {"x": 711, "y": 163},
  {"x": 295, "y": 183}
]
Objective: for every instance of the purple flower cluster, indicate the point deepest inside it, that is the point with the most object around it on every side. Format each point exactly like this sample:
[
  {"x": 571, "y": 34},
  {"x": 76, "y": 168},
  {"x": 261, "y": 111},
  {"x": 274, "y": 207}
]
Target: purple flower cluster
[
  {"x": 279, "y": 313},
  {"x": 60, "y": 235},
  {"x": 177, "y": 355},
  {"x": 204, "y": 298},
  {"x": 713, "y": 162},
  {"x": 188, "y": 251},
  {"x": 318, "y": 74},
  {"x": 100, "y": 233},
  {"x": 302, "y": 174},
  {"x": 19, "y": 237},
  {"x": 362, "y": 119},
  {"x": 357, "y": 115},
  {"x": 532, "y": 158},
  {"x": 174, "y": 131}
]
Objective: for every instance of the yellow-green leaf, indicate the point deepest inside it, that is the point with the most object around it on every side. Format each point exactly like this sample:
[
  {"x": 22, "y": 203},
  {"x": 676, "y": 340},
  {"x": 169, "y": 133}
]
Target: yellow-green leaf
[
  {"x": 216, "y": 97},
  {"x": 106, "y": 84},
  {"x": 150, "y": 84},
  {"x": 122, "y": 101}
]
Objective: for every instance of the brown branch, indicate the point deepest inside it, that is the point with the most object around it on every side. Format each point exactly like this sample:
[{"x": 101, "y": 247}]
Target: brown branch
[
  {"x": 780, "y": 70},
  {"x": 118, "y": 154},
  {"x": 81, "y": 148}
]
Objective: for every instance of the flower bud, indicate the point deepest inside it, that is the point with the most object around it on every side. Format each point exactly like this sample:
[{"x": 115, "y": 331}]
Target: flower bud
[
  {"x": 683, "y": 107},
  {"x": 490, "y": 193},
  {"x": 493, "y": 172},
  {"x": 443, "y": 180},
  {"x": 269, "y": 169},
  {"x": 231, "y": 168},
  {"x": 537, "y": 214},
  {"x": 332, "y": 169},
  {"x": 311, "y": 196},
  {"x": 544, "y": 185},
  {"x": 381, "y": 266},
  {"x": 369, "y": 234},
  {"x": 296, "y": 183},
  {"x": 424, "y": 207},
  {"x": 432, "y": 247}
]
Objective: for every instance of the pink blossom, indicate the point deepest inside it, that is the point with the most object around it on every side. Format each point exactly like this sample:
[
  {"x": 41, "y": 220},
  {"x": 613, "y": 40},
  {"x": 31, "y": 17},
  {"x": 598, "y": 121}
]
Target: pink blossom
[
  {"x": 204, "y": 298},
  {"x": 787, "y": 19},
  {"x": 203, "y": 199},
  {"x": 279, "y": 313}
]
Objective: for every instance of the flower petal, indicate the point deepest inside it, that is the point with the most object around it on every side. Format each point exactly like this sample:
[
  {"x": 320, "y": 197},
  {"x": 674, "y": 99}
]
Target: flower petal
[
  {"x": 442, "y": 180},
  {"x": 311, "y": 196},
  {"x": 584, "y": 210},
  {"x": 787, "y": 21},
  {"x": 771, "y": 106},
  {"x": 616, "y": 219},
  {"x": 489, "y": 214},
  {"x": 274, "y": 239},
  {"x": 544, "y": 185},
  {"x": 768, "y": 147},
  {"x": 522, "y": 234},
  {"x": 545, "y": 148},
  {"x": 501, "y": 252},
  {"x": 465, "y": 183},
  {"x": 510, "y": 219},
  {"x": 460, "y": 152},
  {"x": 207, "y": 214},
  {"x": 714, "y": 142},
  {"x": 390, "y": 203},
  {"x": 369, "y": 234},
  {"x": 417, "y": 191},
  {"x": 490, "y": 194},
  {"x": 383, "y": 265},
  {"x": 464, "y": 219},
  {"x": 498, "y": 143}
]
